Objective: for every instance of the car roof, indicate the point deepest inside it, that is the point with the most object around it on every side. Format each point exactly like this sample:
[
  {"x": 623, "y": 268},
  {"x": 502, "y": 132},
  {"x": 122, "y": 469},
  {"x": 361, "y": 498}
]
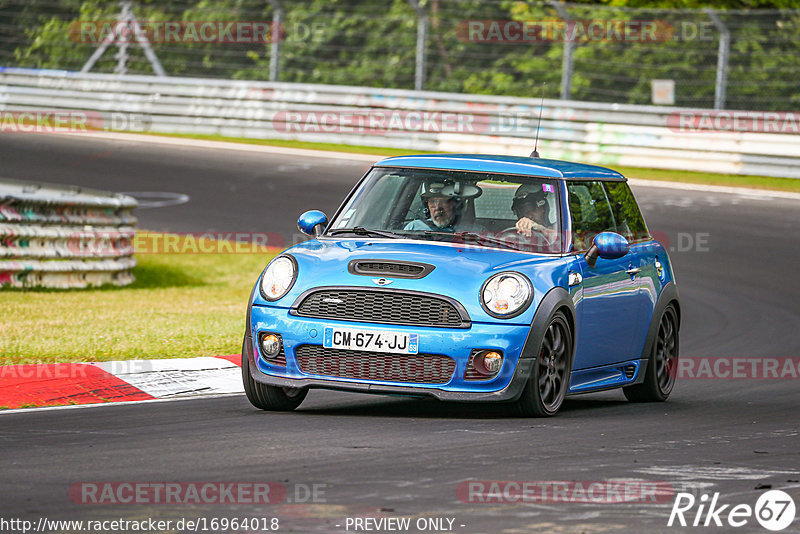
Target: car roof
[{"x": 549, "y": 168}]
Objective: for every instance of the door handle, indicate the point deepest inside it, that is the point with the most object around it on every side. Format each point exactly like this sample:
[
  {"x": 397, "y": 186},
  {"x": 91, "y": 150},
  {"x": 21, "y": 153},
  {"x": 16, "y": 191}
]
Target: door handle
[{"x": 633, "y": 271}]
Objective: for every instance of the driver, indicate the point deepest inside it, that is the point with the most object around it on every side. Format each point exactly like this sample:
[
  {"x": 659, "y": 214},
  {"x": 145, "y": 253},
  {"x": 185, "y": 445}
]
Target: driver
[
  {"x": 533, "y": 211},
  {"x": 442, "y": 208}
]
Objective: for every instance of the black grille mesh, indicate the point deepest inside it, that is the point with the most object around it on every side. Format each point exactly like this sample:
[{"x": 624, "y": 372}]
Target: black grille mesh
[
  {"x": 364, "y": 365},
  {"x": 388, "y": 268},
  {"x": 471, "y": 373},
  {"x": 380, "y": 307}
]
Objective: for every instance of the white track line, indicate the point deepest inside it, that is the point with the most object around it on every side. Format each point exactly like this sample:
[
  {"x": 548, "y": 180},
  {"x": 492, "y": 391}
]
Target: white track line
[{"x": 178, "y": 377}]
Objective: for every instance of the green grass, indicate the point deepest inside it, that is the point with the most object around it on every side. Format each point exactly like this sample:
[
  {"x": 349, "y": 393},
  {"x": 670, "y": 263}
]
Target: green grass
[
  {"x": 333, "y": 147},
  {"x": 731, "y": 180},
  {"x": 181, "y": 305}
]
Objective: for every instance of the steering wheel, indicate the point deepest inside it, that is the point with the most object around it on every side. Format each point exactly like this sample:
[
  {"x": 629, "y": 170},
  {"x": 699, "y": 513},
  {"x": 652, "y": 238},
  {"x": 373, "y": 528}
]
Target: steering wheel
[{"x": 535, "y": 237}]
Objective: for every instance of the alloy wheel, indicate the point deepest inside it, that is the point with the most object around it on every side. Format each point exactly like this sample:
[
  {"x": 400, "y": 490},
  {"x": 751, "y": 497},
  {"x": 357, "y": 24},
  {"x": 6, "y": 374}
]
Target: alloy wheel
[{"x": 553, "y": 360}]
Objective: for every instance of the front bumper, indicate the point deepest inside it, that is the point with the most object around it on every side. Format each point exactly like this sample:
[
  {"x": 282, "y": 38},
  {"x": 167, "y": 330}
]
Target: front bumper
[{"x": 455, "y": 343}]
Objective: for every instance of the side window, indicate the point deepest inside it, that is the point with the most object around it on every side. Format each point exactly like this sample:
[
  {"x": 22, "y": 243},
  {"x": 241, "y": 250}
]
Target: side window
[
  {"x": 416, "y": 210},
  {"x": 590, "y": 212},
  {"x": 626, "y": 212}
]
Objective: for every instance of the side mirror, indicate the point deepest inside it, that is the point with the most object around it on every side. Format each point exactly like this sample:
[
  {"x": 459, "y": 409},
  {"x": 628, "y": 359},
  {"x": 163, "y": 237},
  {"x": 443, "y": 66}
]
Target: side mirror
[
  {"x": 608, "y": 245},
  {"x": 312, "y": 223}
]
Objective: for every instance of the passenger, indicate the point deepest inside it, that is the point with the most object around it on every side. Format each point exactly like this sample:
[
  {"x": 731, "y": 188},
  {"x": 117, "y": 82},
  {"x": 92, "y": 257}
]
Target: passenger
[{"x": 533, "y": 211}]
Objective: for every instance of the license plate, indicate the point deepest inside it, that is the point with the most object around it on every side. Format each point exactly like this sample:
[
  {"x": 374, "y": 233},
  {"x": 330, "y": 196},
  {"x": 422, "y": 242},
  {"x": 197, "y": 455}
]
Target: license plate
[{"x": 370, "y": 340}]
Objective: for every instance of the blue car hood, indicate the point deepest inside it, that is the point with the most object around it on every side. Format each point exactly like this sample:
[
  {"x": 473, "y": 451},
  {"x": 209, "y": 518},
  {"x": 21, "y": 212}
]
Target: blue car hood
[{"x": 459, "y": 271}]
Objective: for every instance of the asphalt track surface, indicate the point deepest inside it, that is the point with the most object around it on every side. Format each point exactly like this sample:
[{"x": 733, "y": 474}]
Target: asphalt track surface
[{"x": 385, "y": 456}]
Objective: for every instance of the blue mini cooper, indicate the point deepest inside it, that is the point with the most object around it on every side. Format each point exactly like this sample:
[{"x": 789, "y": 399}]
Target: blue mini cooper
[{"x": 469, "y": 278}]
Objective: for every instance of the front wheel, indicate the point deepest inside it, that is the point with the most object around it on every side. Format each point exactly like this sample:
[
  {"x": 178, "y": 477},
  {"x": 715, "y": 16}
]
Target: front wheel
[
  {"x": 662, "y": 366},
  {"x": 266, "y": 397},
  {"x": 547, "y": 387}
]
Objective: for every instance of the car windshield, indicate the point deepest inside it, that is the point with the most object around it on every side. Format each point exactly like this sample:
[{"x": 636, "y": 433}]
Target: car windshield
[{"x": 485, "y": 209}]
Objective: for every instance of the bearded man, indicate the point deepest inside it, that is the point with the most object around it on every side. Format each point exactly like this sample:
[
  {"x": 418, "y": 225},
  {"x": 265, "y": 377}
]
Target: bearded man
[{"x": 441, "y": 209}]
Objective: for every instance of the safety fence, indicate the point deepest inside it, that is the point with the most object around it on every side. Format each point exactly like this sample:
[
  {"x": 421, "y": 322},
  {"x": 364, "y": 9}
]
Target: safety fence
[
  {"x": 734, "y": 142},
  {"x": 635, "y": 53},
  {"x": 64, "y": 237}
]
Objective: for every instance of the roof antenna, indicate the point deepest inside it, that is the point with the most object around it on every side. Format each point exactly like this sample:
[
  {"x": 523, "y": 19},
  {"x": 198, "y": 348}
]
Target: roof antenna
[{"x": 535, "y": 153}]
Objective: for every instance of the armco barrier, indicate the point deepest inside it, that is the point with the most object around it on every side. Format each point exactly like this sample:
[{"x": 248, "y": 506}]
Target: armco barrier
[
  {"x": 64, "y": 237},
  {"x": 609, "y": 134}
]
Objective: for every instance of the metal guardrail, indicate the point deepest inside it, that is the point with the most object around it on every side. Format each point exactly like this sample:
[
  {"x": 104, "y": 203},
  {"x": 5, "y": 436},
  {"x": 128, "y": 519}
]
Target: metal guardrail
[
  {"x": 64, "y": 237},
  {"x": 607, "y": 134}
]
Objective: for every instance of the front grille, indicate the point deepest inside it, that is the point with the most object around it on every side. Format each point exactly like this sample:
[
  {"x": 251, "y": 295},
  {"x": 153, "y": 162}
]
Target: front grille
[
  {"x": 363, "y": 365},
  {"x": 389, "y": 307}
]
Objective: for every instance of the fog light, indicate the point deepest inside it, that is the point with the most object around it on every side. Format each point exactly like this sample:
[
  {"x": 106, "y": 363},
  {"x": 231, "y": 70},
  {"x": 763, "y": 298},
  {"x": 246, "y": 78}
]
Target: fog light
[
  {"x": 492, "y": 361},
  {"x": 270, "y": 345}
]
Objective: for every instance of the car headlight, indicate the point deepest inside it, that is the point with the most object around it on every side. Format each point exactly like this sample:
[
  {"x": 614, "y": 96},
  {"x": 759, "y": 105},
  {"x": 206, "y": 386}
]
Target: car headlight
[
  {"x": 278, "y": 277},
  {"x": 506, "y": 295}
]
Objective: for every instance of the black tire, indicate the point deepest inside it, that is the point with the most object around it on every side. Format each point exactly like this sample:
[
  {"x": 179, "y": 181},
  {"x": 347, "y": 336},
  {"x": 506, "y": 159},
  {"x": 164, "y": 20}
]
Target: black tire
[
  {"x": 662, "y": 366},
  {"x": 266, "y": 397},
  {"x": 545, "y": 391}
]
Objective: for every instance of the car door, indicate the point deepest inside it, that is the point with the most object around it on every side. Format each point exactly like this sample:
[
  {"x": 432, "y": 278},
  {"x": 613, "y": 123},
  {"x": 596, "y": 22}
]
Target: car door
[
  {"x": 642, "y": 256},
  {"x": 609, "y": 307}
]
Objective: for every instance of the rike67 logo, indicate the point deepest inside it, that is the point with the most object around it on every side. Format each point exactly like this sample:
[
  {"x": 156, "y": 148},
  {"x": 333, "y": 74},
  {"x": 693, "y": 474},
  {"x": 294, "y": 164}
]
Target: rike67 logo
[{"x": 774, "y": 510}]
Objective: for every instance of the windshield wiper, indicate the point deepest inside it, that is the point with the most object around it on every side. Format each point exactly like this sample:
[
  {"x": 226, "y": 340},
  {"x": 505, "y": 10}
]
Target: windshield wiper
[
  {"x": 361, "y": 231},
  {"x": 478, "y": 238}
]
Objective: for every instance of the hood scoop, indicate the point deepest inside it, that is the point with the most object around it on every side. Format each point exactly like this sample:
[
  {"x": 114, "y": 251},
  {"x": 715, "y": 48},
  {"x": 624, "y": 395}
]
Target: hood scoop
[{"x": 390, "y": 268}]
